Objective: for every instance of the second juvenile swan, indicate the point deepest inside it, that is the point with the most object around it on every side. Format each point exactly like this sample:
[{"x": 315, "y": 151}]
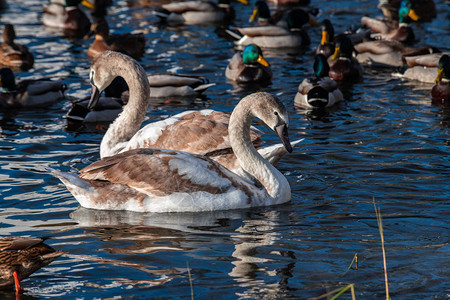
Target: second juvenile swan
[{"x": 155, "y": 180}]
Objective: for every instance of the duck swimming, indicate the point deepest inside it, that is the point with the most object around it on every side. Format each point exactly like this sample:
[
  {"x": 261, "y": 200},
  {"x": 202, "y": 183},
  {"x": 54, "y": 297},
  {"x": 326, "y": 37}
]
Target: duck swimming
[
  {"x": 422, "y": 67},
  {"x": 131, "y": 44},
  {"x": 320, "y": 90},
  {"x": 197, "y": 12},
  {"x": 249, "y": 66},
  {"x": 14, "y": 55},
  {"x": 344, "y": 67},
  {"x": 20, "y": 257},
  {"x": 29, "y": 93},
  {"x": 393, "y": 30}
]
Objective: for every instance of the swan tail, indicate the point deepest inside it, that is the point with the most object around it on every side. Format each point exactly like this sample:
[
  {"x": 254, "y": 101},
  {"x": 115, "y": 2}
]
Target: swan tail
[{"x": 203, "y": 87}]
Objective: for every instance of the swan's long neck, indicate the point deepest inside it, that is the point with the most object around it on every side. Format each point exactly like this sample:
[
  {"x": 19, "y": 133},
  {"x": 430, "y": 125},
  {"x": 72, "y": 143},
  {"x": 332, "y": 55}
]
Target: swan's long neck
[
  {"x": 132, "y": 116},
  {"x": 250, "y": 160}
]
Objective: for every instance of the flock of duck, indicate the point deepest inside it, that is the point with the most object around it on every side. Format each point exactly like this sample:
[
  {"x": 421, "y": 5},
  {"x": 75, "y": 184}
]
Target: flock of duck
[{"x": 210, "y": 160}]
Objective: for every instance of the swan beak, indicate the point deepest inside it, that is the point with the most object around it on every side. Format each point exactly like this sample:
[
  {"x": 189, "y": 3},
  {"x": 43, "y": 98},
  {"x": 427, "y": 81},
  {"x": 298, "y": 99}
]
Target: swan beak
[
  {"x": 337, "y": 53},
  {"x": 412, "y": 14},
  {"x": 282, "y": 131},
  {"x": 262, "y": 61},
  {"x": 439, "y": 75},
  {"x": 325, "y": 37},
  {"x": 253, "y": 17},
  {"x": 94, "y": 97}
]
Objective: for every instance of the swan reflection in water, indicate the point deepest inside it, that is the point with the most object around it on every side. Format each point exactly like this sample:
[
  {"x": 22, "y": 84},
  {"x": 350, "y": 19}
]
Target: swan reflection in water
[{"x": 137, "y": 234}]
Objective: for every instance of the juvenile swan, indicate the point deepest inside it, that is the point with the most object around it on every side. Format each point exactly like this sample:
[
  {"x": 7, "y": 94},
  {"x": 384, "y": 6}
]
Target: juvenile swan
[
  {"x": 155, "y": 180},
  {"x": 203, "y": 132}
]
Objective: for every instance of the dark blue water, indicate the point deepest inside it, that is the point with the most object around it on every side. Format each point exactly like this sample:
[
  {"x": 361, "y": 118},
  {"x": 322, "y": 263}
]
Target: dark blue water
[{"x": 385, "y": 143}]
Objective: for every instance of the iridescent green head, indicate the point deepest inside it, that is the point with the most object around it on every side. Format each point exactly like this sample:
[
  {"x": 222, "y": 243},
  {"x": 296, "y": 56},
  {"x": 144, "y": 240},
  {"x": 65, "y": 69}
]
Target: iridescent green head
[
  {"x": 344, "y": 47},
  {"x": 7, "y": 80},
  {"x": 253, "y": 55},
  {"x": 260, "y": 11},
  {"x": 406, "y": 13}
]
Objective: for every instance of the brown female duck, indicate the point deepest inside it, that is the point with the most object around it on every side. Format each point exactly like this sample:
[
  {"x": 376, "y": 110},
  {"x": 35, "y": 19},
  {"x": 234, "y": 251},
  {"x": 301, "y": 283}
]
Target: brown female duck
[
  {"x": 20, "y": 257},
  {"x": 131, "y": 44},
  {"x": 14, "y": 55}
]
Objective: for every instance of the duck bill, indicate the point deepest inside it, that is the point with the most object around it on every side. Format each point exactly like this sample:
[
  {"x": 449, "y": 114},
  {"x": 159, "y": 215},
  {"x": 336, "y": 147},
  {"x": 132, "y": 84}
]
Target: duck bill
[
  {"x": 254, "y": 14},
  {"x": 312, "y": 21},
  {"x": 439, "y": 75},
  {"x": 325, "y": 37},
  {"x": 244, "y": 1},
  {"x": 337, "y": 53},
  {"x": 94, "y": 97},
  {"x": 412, "y": 14},
  {"x": 262, "y": 61},
  {"x": 282, "y": 131},
  {"x": 88, "y": 4}
]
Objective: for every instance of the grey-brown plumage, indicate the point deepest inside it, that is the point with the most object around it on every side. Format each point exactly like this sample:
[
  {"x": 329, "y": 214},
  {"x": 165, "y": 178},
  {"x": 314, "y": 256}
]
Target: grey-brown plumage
[{"x": 24, "y": 256}]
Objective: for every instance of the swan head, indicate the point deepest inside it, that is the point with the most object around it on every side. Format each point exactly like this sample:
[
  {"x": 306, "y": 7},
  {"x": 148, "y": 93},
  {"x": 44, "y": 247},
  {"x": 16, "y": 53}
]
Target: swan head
[
  {"x": 105, "y": 68},
  {"x": 272, "y": 111}
]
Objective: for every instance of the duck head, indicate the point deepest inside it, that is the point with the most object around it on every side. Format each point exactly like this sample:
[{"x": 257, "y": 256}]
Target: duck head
[
  {"x": 260, "y": 11},
  {"x": 252, "y": 55},
  {"x": 406, "y": 13},
  {"x": 443, "y": 68},
  {"x": 344, "y": 47},
  {"x": 321, "y": 67},
  {"x": 327, "y": 32},
  {"x": 7, "y": 80}
]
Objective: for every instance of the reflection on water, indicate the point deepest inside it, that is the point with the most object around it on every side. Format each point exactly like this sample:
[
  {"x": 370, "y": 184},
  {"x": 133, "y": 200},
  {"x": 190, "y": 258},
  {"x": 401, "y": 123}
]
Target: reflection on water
[{"x": 386, "y": 141}]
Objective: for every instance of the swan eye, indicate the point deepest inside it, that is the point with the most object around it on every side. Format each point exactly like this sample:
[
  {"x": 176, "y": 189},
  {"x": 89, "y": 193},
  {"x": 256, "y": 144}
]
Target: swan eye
[{"x": 275, "y": 113}]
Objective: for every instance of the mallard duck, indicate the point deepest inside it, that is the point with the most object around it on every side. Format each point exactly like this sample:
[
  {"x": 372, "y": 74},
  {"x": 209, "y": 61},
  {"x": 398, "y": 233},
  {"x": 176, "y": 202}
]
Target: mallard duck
[
  {"x": 344, "y": 67},
  {"x": 387, "y": 53},
  {"x": 131, "y": 44},
  {"x": 422, "y": 67},
  {"x": 441, "y": 90},
  {"x": 393, "y": 30},
  {"x": 326, "y": 46},
  {"x": 320, "y": 90},
  {"x": 274, "y": 36},
  {"x": 425, "y": 9},
  {"x": 197, "y": 12},
  {"x": 68, "y": 17},
  {"x": 167, "y": 87},
  {"x": 30, "y": 92},
  {"x": 249, "y": 66},
  {"x": 14, "y": 55},
  {"x": 20, "y": 257}
]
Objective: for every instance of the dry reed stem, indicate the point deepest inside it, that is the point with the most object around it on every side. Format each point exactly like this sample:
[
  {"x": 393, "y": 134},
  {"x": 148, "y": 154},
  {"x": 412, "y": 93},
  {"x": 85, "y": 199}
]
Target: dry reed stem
[
  {"x": 190, "y": 280},
  {"x": 380, "y": 228},
  {"x": 338, "y": 292}
]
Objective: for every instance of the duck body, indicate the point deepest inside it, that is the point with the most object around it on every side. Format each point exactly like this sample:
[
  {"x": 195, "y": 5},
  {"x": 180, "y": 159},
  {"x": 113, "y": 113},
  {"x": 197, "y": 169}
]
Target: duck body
[
  {"x": 14, "y": 55},
  {"x": 155, "y": 180},
  {"x": 441, "y": 90},
  {"x": 68, "y": 17},
  {"x": 196, "y": 12},
  {"x": 386, "y": 53},
  {"x": 274, "y": 36},
  {"x": 249, "y": 67},
  {"x": 422, "y": 67},
  {"x": 129, "y": 43},
  {"x": 318, "y": 91},
  {"x": 393, "y": 30},
  {"x": 20, "y": 257},
  {"x": 29, "y": 93},
  {"x": 344, "y": 66}
]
